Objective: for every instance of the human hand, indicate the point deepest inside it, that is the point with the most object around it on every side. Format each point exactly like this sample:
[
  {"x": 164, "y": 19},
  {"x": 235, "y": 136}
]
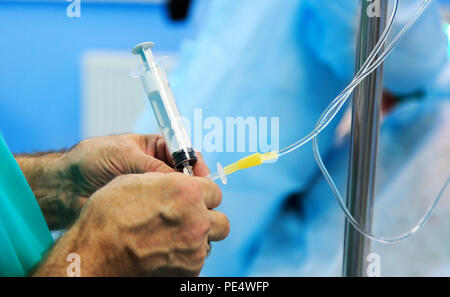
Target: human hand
[
  {"x": 149, "y": 224},
  {"x": 96, "y": 161},
  {"x": 62, "y": 182}
]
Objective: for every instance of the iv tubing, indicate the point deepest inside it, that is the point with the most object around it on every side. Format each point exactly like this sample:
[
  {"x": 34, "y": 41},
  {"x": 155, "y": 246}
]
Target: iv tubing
[
  {"x": 328, "y": 115},
  {"x": 334, "y": 107}
]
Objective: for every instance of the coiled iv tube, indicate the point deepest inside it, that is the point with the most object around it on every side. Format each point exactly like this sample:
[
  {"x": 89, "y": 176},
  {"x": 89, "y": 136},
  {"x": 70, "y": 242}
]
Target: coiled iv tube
[{"x": 334, "y": 107}]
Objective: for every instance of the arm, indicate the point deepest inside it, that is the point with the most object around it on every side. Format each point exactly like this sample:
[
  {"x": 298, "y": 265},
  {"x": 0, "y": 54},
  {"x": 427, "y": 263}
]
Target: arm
[{"x": 53, "y": 186}]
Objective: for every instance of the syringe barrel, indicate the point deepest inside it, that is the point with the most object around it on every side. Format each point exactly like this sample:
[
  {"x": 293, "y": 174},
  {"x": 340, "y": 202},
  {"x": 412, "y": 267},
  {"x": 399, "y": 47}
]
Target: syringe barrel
[{"x": 162, "y": 101}]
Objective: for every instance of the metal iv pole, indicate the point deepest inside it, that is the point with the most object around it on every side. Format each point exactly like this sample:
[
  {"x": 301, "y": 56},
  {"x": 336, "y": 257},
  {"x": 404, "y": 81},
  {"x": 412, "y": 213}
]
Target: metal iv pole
[{"x": 366, "y": 108}]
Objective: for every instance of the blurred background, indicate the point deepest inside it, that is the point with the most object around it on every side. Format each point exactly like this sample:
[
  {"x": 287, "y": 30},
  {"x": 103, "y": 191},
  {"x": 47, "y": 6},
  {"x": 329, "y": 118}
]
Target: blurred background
[{"x": 65, "y": 78}]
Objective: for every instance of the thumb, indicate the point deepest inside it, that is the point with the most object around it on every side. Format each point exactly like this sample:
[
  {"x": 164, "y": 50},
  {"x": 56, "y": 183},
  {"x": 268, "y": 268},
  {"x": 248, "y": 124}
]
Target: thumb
[{"x": 150, "y": 164}]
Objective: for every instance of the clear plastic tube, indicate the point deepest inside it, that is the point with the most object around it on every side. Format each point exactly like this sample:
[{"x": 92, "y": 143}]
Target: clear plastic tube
[
  {"x": 333, "y": 108},
  {"x": 352, "y": 220}
]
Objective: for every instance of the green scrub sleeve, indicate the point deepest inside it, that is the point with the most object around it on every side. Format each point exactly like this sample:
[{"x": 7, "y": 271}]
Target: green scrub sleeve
[{"x": 24, "y": 234}]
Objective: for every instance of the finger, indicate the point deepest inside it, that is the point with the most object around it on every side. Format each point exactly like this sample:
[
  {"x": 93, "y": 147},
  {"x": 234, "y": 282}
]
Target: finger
[
  {"x": 145, "y": 142},
  {"x": 153, "y": 145},
  {"x": 150, "y": 164},
  {"x": 161, "y": 151},
  {"x": 200, "y": 168},
  {"x": 210, "y": 192},
  {"x": 220, "y": 226}
]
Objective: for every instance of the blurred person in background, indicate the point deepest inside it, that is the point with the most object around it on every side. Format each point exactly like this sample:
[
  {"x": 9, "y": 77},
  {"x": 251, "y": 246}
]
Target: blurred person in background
[{"x": 289, "y": 59}]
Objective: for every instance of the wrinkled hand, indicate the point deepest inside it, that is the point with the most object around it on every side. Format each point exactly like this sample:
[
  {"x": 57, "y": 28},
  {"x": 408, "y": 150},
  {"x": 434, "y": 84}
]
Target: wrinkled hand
[
  {"x": 96, "y": 161},
  {"x": 149, "y": 224}
]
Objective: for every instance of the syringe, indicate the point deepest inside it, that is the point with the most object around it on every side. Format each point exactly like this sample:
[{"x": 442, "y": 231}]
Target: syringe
[{"x": 161, "y": 99}]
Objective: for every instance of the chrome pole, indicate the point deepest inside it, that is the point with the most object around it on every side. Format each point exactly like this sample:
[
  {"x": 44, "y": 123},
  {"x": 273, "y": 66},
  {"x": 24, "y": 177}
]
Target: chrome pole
[{"x": 366, "y": 108}]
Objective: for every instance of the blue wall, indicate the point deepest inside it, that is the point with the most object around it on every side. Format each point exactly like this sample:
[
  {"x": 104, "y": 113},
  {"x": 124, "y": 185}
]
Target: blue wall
[{"x": 40, "y": 55}]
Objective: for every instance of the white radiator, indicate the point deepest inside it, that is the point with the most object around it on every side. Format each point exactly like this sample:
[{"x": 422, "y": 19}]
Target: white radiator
[{"x": 111, "y": 99}]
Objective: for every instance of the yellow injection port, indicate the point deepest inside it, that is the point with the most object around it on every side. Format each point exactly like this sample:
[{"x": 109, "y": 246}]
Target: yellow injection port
[
  {"x": 247, "y": 162},
  {"x": 251, "y": 161}
]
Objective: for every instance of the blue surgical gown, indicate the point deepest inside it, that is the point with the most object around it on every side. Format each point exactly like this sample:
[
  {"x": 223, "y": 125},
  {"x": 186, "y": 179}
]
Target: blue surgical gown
[{"x": 286, "y": 59}]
